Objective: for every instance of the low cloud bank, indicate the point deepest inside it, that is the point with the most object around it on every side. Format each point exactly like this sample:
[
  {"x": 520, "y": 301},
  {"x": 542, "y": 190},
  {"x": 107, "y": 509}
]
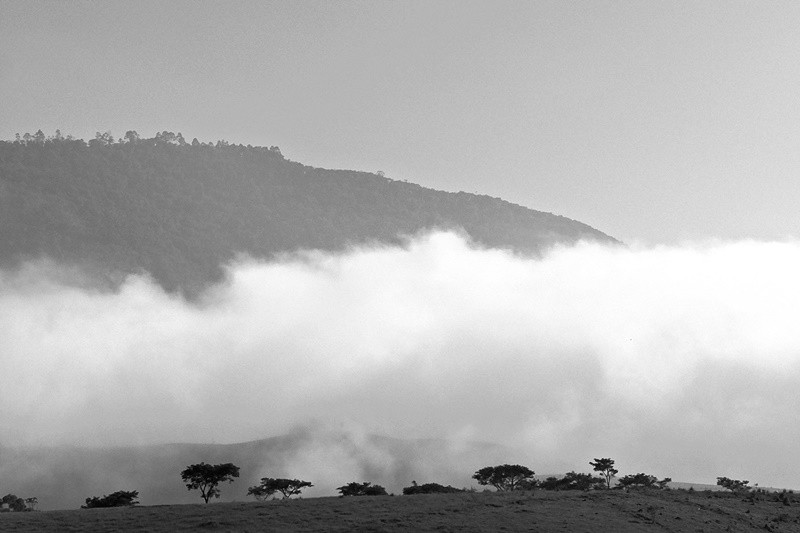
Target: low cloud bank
[{"x": 677, "y": 361}]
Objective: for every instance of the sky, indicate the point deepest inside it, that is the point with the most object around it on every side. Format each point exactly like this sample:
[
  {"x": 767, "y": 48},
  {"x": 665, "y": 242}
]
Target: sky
[{"x": 655, "y": 122}]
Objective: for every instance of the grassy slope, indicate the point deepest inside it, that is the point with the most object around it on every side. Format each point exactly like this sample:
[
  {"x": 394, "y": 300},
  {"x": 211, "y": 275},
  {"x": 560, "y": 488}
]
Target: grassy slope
[{"x": 672, "y": 511}]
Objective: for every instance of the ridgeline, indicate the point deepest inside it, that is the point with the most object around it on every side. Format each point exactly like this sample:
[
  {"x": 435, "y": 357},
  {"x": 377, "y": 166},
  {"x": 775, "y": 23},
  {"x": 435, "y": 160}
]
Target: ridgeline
[{"x": 181, "y": 210}]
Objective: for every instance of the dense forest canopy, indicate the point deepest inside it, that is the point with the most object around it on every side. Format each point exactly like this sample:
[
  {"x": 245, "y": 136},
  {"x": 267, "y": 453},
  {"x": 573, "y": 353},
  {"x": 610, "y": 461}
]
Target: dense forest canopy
[{"x": 180, "y": 210}]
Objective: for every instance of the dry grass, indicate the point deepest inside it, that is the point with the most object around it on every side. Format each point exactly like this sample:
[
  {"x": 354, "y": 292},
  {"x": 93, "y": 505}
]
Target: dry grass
[{"x": 672, "y": 511}]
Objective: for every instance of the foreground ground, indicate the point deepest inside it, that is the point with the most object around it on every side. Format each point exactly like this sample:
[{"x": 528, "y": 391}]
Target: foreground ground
[{"x": 617, "y": 511}]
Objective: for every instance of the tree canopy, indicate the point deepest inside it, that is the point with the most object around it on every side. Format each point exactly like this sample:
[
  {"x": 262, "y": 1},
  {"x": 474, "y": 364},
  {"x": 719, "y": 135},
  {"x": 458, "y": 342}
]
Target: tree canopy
[
  {"x": 206, "y": 478},
  {"x": 572, "y": 481},
  {"x": 14, "y": 502},
  {"x": 361, "y": 489},
  {"x": 606, "y": 468},
  {"x": 733, "y": 485},
  {"x": 642, "y": 480},
  {"x": 121, "y": 498},
  {"x": 506, "y": 477},
  {"x": 429, "y": 488},
  {"x": 270, "y": 486}
]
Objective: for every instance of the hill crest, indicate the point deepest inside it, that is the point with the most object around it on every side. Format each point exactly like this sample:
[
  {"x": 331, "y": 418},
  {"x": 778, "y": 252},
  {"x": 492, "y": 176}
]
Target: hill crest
[{"x": 180, "y": 211}]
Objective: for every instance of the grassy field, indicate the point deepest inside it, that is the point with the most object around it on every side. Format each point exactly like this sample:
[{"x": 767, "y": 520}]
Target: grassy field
[{"x": 616, "y": 511}]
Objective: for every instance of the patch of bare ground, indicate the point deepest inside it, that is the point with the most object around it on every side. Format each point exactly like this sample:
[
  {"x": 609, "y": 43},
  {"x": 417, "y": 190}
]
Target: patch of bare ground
[{"x": 618, "y": 511}]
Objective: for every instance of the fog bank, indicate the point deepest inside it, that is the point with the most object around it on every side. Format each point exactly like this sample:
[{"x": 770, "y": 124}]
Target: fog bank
[{"x": 677, "y": 361}]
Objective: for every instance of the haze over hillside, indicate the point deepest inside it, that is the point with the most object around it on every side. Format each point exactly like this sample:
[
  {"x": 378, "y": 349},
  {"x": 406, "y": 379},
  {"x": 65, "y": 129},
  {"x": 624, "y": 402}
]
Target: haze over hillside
[
  {"x": 328, "y": 458},
  {"x": 181, "y": 210}
]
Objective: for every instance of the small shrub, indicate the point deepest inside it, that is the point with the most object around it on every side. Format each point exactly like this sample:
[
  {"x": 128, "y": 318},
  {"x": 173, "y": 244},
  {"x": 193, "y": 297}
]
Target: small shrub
[
  {"x": 733, "y": 485},
  {"x": 429, "y": 488},
  {"x": 551, "y": 483},
  {"x": 573, "y": 481},
  {"x": 15, "y": 503},
  {"x": 782, "y": 517},
  {"x": 121, "y": 498},
  {"x": 361, "y": 489},
  {"x": 784, "y": 497},
  {"x": 642, "y": 480}
]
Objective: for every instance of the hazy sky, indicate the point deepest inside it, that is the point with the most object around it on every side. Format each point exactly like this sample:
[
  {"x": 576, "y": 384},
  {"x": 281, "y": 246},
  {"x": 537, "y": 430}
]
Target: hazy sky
[{"x": 652, "y": 121}]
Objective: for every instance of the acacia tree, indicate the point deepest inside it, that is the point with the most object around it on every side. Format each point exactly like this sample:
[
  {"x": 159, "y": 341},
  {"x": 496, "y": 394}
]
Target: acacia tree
[
  {"x": 206, "y": 477},
  {"x": 606, "y": 468},
  {"x": 269, "y": 486},
  {"x": 506, "y": 477}
]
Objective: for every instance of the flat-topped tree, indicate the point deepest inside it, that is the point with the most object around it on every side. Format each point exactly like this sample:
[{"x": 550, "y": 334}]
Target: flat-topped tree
[
  {"x": 506, "y": 477},
  {"x": 269, "y": 486},
  {"x": 206, "y": 477}
]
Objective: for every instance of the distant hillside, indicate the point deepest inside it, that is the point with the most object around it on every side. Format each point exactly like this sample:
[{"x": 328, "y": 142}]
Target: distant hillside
[
  {"x": 181, "y": 210},
  {"x": 63, "y": 477}
]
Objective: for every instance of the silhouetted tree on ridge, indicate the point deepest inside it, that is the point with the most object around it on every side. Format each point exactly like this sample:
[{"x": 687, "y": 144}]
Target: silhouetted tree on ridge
[
  {"x": 206, "y": 478},
  {"x": 606, "y": 467},
  {"x": 506, "y": 477},
  {"x": 270, "y": 486}
]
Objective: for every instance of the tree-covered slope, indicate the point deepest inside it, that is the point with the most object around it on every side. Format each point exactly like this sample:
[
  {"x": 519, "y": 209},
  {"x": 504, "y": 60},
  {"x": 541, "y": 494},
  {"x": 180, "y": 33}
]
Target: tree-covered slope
[{"x": 179, "y": 211}]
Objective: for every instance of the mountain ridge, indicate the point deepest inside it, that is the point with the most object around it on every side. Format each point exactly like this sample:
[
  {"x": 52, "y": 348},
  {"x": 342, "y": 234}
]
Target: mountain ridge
[{"x": 180, "y": 211}]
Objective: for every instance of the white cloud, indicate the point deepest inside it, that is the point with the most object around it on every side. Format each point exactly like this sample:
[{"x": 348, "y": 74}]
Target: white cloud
[{"x": 679, "y": 361}]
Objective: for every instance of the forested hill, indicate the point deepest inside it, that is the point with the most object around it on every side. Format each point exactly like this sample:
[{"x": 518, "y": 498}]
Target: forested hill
[{"x": 180, "y": 210}]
